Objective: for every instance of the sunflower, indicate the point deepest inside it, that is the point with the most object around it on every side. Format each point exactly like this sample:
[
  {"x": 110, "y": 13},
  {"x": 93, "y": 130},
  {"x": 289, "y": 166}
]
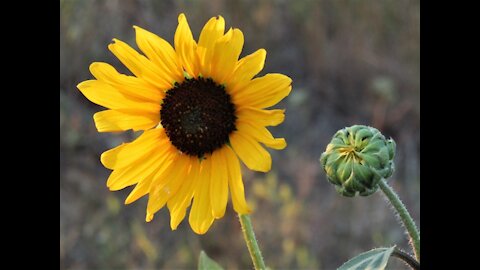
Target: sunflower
[{"x": 200, "y": 109}]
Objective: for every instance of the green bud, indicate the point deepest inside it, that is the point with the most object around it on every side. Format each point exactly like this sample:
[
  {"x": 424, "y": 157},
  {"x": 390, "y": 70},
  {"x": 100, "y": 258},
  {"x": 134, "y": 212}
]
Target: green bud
[{"x": 357, "y": 158}]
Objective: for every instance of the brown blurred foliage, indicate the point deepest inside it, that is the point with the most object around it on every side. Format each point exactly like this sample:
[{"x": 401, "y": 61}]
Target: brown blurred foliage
[{"x": 352, "y": 62}]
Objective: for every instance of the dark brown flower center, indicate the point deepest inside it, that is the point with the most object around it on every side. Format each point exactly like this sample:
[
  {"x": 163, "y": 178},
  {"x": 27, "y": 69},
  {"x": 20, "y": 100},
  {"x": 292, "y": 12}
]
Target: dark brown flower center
[{"x": 198, "y": 116}]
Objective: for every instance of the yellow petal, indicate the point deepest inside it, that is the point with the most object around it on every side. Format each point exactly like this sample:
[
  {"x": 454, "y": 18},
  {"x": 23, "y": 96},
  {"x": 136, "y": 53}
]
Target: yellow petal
[
  {"x": 262, "y": 117},
  {"x": 251, "y": 152},
  {"x": 161, "y": 53},
  {"x": 186, "y": 47},
  {"x": 144, "y": 187},
  {"x": 140, "y": 66},
  {"x": 179, "y": 202},
  {"x": 211, "y": 32},
  {"x": 167, "y": 184},
  {"x": 127, "y": 176},
  {"x": 235, "y": 182},
  {"x": 109, "y": 157},
  {"x": 246, "y": 69},
  {"x": 264, "y": 91},
  {"x": 140, "y": 190},
  {"x": 225, "y": 56},
  {"x": 261, "y": 134},
  {"x": 201, "y": 217},
  {"x": 105, "y": 95},
  {"x": 128, "y": 153},
  {"x": 219, "y": 183},
  {"x": 111, "y": 120},
  {"x": 128, "y": 85}
]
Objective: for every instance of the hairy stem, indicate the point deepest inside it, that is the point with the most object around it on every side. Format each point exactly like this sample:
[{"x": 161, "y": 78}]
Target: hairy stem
[
  {"x": 251, "y": 241},
  {"x": 405, "y": 217}
]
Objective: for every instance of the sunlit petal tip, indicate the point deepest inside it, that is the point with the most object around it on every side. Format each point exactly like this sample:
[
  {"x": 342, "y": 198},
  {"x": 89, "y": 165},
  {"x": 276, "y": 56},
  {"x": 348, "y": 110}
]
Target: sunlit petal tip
[
  {"x": 281, "y": 118},
  {"x": 239, "y": 32},
  {"x": 200, "y": 229},
  {"x": 149, "y": 217},
  {"x": 229, "y": 33},
  {"x": 83, "y": 85},
  {"x": 109, "y": 157},
  {"x": 139, "y": 29},
  {"x": 113, "y": 44},
  {"x": 133, "y": 196},
  {"x": 287, "y": 92},
  {"x": 140, "y": 190},
  {"x": 280, "y": 144},
  {"x": 93, "y": 66},
  {"x": 109, "y": 184},
  {"x": 128, "y": 200},
  {"x": 266, "y": 168},
  {"x": 196, "y": 230},
  {"x": 214, "y": 21},
  {"x": 175, "y": 222},
  {"x": 290, "y": 79},
  {"x": 262, "y": 54},
  {"x": 181, "y": 17}
]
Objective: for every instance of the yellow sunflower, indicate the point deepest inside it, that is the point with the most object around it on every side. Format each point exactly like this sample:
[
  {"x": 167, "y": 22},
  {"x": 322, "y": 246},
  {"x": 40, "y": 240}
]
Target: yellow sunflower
[{"x": 200, "y": 109}]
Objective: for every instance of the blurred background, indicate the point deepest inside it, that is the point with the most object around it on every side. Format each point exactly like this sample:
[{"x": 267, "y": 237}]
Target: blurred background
[{"x": 352, "y": 62}]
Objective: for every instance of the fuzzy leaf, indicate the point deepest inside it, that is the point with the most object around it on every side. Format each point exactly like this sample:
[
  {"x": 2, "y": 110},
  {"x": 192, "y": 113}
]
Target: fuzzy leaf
[
  {"x": 205, "y": 263},
  {"x": 375, "y": 259}
]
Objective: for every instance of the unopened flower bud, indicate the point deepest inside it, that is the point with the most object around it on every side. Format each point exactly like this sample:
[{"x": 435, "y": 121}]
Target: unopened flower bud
[{"x": 357, "y": 158}]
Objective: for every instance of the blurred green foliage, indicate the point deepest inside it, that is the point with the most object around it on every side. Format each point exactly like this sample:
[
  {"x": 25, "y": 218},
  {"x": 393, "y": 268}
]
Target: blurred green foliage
[{"x": 352, "y": 62}]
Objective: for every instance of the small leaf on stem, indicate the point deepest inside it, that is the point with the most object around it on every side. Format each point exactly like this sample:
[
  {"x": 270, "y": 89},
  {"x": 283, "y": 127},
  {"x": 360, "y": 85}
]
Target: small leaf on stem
[
  {"x": 205, "y": 263},
  {"x": 375, "y": 259}
]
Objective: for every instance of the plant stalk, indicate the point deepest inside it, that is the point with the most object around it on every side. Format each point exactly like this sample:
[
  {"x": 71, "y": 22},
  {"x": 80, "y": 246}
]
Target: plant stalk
[
  {"x": 405, "y": 217},
  {"x": 251, "y": 241}
]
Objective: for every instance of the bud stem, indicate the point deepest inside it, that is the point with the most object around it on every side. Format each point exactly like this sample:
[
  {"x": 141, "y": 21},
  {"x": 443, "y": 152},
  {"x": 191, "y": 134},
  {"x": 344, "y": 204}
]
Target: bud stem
[
  {"x": 405, "y": 217},
  {"x": 407, "y": 258},
  {"x": 252, "y": 244}
]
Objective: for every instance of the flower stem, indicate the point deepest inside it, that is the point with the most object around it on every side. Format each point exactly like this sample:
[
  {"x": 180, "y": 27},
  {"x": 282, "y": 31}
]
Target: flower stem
[
  {"x": 252, "y": 244},
  {"x": 406, "y": 258},
  {"x": 407, "y": 220}
]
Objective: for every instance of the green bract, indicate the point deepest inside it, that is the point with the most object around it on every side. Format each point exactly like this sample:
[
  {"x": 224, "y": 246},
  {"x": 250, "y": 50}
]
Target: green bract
[{"x": 357, "y": 158}]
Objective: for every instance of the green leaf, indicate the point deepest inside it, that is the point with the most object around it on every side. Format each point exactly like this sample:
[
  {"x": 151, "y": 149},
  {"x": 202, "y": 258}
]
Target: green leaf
[
  {"x": 375, "y": 259},
  {"x": 205, "y": 263}
]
